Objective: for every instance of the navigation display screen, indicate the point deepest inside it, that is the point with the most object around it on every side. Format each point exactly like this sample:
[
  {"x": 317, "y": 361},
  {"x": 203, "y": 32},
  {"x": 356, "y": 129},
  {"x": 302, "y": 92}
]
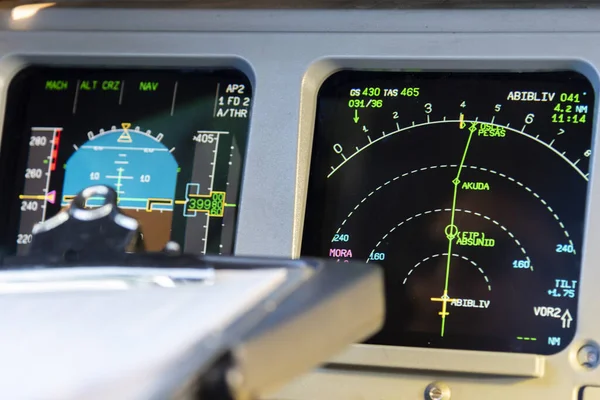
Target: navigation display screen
[
  {"x": 170, "y": 142},
  {"x": 469, "y": 189}
]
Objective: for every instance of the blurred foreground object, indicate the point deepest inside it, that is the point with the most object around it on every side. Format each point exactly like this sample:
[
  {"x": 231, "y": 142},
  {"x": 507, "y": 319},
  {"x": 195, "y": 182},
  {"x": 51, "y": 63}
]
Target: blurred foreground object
[{"x": 88, "y": 314}]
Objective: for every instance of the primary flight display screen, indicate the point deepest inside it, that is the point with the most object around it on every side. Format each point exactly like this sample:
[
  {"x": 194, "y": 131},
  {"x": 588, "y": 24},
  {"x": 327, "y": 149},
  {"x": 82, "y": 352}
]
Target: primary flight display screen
[
  {"x": 170, "y": 142},
  {"x": 469, "y": 189}
]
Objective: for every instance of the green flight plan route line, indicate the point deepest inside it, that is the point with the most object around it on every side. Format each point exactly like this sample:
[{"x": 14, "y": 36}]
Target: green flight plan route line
[{"x": 452, "y": 230}]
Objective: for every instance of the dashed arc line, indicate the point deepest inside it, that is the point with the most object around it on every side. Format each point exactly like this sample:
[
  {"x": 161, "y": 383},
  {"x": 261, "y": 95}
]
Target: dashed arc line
[
  {"x": 453, "y": 255},
  {"x": 509, "y": 233},
  {"x": 491, "y": 171}
]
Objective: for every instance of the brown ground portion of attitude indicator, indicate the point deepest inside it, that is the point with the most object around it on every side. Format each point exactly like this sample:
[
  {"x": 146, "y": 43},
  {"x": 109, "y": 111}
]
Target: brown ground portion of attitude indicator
[{"x": 155, "y": 226}]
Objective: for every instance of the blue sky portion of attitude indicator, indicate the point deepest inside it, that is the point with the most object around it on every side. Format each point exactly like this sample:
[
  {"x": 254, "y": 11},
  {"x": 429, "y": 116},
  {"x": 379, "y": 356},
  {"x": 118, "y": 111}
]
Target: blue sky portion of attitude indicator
[{"x": 135, "y": 163}]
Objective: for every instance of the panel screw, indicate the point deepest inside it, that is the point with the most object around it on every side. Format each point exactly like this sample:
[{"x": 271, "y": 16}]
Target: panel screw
[
  {"x": 437, "y": 391},
  {"x": 589, "y": 356}
]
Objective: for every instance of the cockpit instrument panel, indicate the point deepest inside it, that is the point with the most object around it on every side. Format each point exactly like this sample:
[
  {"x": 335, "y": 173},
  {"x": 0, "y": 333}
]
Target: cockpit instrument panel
[
  {"x": 170, "y": 142},
  {"x": 470, "y": 189}
]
